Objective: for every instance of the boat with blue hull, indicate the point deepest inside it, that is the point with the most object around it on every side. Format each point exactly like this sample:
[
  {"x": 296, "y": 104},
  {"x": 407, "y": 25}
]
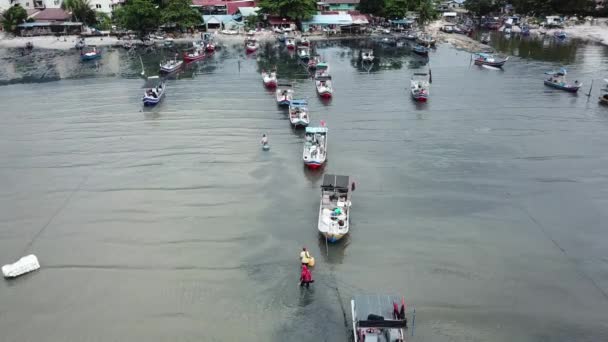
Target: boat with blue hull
[
  {"x": 421, "y": 50},
  {"x": 334, "y": 210},
  {"x": 379, "y": 318},
  {"x": 557, "y": 80},
  {"x": 154, "y": 91},
  {"x": 91, "y": 54},
  {"x": 284, "y": 94},
  {"x": 484, "y": 58}
]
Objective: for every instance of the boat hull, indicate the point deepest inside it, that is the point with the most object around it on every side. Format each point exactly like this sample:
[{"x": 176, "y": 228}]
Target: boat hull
[
  {"x": 283, "y": 103},
  {"x": 332, "y": 238},
  {"x": 299, "y": 123},
  {"x": 152, "y": 101},
  {"x": 270, "y": 84},
  {"x": 189, "y": 59},
  {"x": 89, "y": 58},
  {"x": 325, "y": 94},
  {"x": 420, "y": 98},
  {"x": 571, "y": 89},
  {"x": 251, "y": 49},
  {"x": 210, "y": 48},
  {"x": 421, "y": 53},
  {"x": 492, "y": 64}
]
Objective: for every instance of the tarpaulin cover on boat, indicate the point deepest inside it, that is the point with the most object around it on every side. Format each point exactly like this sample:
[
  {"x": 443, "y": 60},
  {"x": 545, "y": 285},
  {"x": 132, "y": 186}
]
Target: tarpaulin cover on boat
[
  {"x": 377, "y": 305},
  {"x": 337, "y": 182}
]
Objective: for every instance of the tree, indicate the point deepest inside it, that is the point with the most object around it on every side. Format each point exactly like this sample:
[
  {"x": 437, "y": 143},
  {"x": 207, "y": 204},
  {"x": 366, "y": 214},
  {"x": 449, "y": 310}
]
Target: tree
[
  {"x": 294, "y": 9},
  {"x": 13, "y": 17},
  {"x": 180, "y": 14},
  {"x": 81, "y": 11},
  {"x": 138, "y": 15},
  {"x": 480, "y": 7},
  {"x": 251, "y": 21},
  {"x": 104, "y": 22},
  {"x": 426, "y": 11},
  {"x": 396, "y": 9},
  {"x": 375, "y": 7}
]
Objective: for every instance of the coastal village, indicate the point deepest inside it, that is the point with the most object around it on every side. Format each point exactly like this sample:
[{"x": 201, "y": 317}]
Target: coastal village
[{"x": 217, "y": 66}]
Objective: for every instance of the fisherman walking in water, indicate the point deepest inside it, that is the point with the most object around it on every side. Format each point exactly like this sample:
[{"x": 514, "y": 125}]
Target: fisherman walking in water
[{"x": 305, "y": 277}]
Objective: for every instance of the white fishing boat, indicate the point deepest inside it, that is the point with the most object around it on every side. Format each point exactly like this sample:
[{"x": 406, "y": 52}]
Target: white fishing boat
[
  {"x": 284, "y": 94},
  {"x": 269, "y": 79},
  {"x": 171, "y": 65},
  {"x": 315, "y": 147},
  {"x": 378, "y": 318},
  {"x": 251, "y": 47},
  {"x": 154, "y": 91},
  {"x": 324, "y": 86},
  {"x": 367, "y": 55},
  {"x": 298, "y": 113},
  {"x": 304, "y": 53},
  {"x": 419, "y": 87},
  {"x": 334, "y": 210},
  {"x": 290, "y": 43}
]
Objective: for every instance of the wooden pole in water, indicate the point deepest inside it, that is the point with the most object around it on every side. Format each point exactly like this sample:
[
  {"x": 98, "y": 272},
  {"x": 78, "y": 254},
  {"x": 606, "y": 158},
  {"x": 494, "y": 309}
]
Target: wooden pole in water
[
  {"x": 589, "y": 94},
  {"x": 326, "y": 247},
  {"x": 143, "y": 72},
  {"x": 413, "y": 321}
]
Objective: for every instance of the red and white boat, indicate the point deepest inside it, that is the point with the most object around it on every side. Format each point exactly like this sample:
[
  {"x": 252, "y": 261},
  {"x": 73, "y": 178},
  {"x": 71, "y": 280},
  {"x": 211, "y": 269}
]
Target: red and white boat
[
  {"x": 304, "y": 41},
  {"x": 251, "y": 47},
  {"x": 419, "y": 87},
  {"x": 210, "y": 47},
  {"x": 196, "y": 54},
  {"x": 324, "y": 87},
  {"x": 269, "y": 79},
  {"x": 290, "y": 43},
  {"x": 315, "y": 147}
]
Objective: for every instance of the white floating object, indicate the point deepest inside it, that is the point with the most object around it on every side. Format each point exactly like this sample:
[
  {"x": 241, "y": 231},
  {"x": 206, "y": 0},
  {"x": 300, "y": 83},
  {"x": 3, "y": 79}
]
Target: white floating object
[{"x": 22, "y": 266}]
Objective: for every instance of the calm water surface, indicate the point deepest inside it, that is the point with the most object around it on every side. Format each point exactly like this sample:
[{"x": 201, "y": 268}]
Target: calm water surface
[{"x": 485, "y": 207}]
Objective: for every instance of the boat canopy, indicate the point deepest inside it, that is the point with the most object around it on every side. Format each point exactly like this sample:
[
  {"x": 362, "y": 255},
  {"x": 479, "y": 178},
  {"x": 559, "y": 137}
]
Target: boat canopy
[
  {"x": 378, "y": 305},
  {"x": 316, "y": 130},
  {"x": 335, "y": 182},
  {"x": 152, "y": 82},
  {"x": 298, "y": 103},
  {"x": 323, "y": 77},
  {"x": 321, "y": 65}
]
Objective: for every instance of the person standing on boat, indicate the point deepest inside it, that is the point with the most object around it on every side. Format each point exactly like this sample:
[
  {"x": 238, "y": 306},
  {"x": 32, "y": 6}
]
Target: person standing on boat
[
  {"x": 306, "y": 277},
  {"x": 264, "y": 139}
]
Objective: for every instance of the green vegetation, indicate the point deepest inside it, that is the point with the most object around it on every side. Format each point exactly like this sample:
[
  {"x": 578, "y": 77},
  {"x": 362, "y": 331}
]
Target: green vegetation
[
  {"x": 104, "y": 22},
  {"x": 533, "y": 7},
  {"x": 294, "y": 9},
  {"x": 81, "y": 11},
  {"x": 180, "y": 14},
  {"x": 13, "y": 17},
  {"x": 141, "y": 16},
  {"x": 397, "y": 9}
]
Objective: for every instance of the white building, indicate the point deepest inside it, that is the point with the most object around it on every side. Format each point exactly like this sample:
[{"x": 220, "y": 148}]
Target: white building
[{"x": 105, "y": 6}]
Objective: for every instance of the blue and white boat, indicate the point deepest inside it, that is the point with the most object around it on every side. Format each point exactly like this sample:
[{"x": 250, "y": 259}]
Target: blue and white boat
[
  {"x": 284, "y": 94},
  {"x": 380, "y": 318},
  {"x": 154, "y": 91},
  {"x": 421, "y": 50},
  {"x": 315, "y": 147},
  {"x": 334, "y": 210},
  {"x": 558, "y": 80},
  {"x": 298, "y": 113},
  {"x": 91, "y": 54}
]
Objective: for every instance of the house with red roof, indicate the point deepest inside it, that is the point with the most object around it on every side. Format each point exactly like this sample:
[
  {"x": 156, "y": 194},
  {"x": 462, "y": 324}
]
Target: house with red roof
[{"x": 219, "y": 7}]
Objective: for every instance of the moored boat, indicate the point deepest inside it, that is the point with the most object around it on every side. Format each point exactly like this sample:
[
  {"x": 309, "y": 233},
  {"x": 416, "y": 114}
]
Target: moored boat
[
  {"x": 603, "y": 99},
  {"x": 367, "y": 55},
  {"x": 91, "y": 54},
  {"x": 154, "y": 91},
  {"x": 171, "y": 65},
  {"x": 304, "y": 41},
  {"x": 419, "y": 87},
  {"x": 312, "y": 63},
  {"x": 196, "y": 53},
  {"x": 485, "y": 38},
  {"x": 269, "y": 79},
  {"x": 290, "y": 43},
  {"x": 334, "y": 210},
  {"x": 315, "y": 147},
  {"x": 322, "y": 68},
  {"x": 560, "y": 35},
  {"x": 298, "y": 113},
  {"x": 483, "y": 58},
  {"x": 304, "y": 53},
  {"x": 251, "y": 46},
  {"x": 324, "y": 86},
  {"x": 284, "y": 94},
  {"x": 411, "y": 35},
  {"x": 421, "y": 50},
  {"x": 558, "y": 80},
  {"x": 379, "y": 318},
  {"x": 210, "y": 47},
  {"x": 425, "y": 40}
]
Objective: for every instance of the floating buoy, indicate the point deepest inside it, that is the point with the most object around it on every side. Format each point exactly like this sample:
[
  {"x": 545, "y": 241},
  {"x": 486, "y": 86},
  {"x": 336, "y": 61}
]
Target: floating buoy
[{"x": 22, "y": 266}]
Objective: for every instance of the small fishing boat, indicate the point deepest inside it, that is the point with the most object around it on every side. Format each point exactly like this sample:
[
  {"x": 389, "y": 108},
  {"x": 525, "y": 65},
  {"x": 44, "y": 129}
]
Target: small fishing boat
[
  {"x": 323, "y": 84},
  {"x": 269, "y": 79},
  {"x": 290, "y": 43},
  {"x": 485, "y": 38},
  {"x": 154, "y": 91},
  {"x": 367, "y": 55},
  {"x": 378, "y": 318},
  {"x": 419, "y": 87},
  {"x": 282, "y": 37},
  {"x": 322, "y": 68},
  {"x": 315, "y": 147},
  {"x": 447, "y": 28},
  {"x": 312, "y": 63},
  {"x": 304, "y": 41},
  {"x": 560, "y": 35},
  {"x": 196, "y": 53},
  {"x": 604, "y": 99},
  {"x": 29, "y": 45},
  {"x": 525, "y": 30},
  {"x": 210, "y": 47},
  {"x": 334, "y": 210},
  {"x": 483, "y": 58},
  {"x": 171, "y": 65},
  {"x": 411, "y": 35},
  {"x": 251, "y": 47},
  {"x": 127, "y": 44},
  {"x": 284, "y": 94},
  {"x": 421, "y": 50},
  {"x": 304, "y": 53},
  {"x": 168, "y": 42},
  {"x": 298, "y": 113},
  {"x": 91, "y": 54},
  {"x": 425, "y": 40},
  {"x": 507, "y": 31},
  {"x": 558, "y": 80}
]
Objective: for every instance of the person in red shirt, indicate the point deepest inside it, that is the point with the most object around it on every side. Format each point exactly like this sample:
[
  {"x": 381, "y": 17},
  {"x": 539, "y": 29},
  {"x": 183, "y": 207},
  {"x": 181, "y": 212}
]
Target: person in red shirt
[{"x": 305, "y": 277}]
